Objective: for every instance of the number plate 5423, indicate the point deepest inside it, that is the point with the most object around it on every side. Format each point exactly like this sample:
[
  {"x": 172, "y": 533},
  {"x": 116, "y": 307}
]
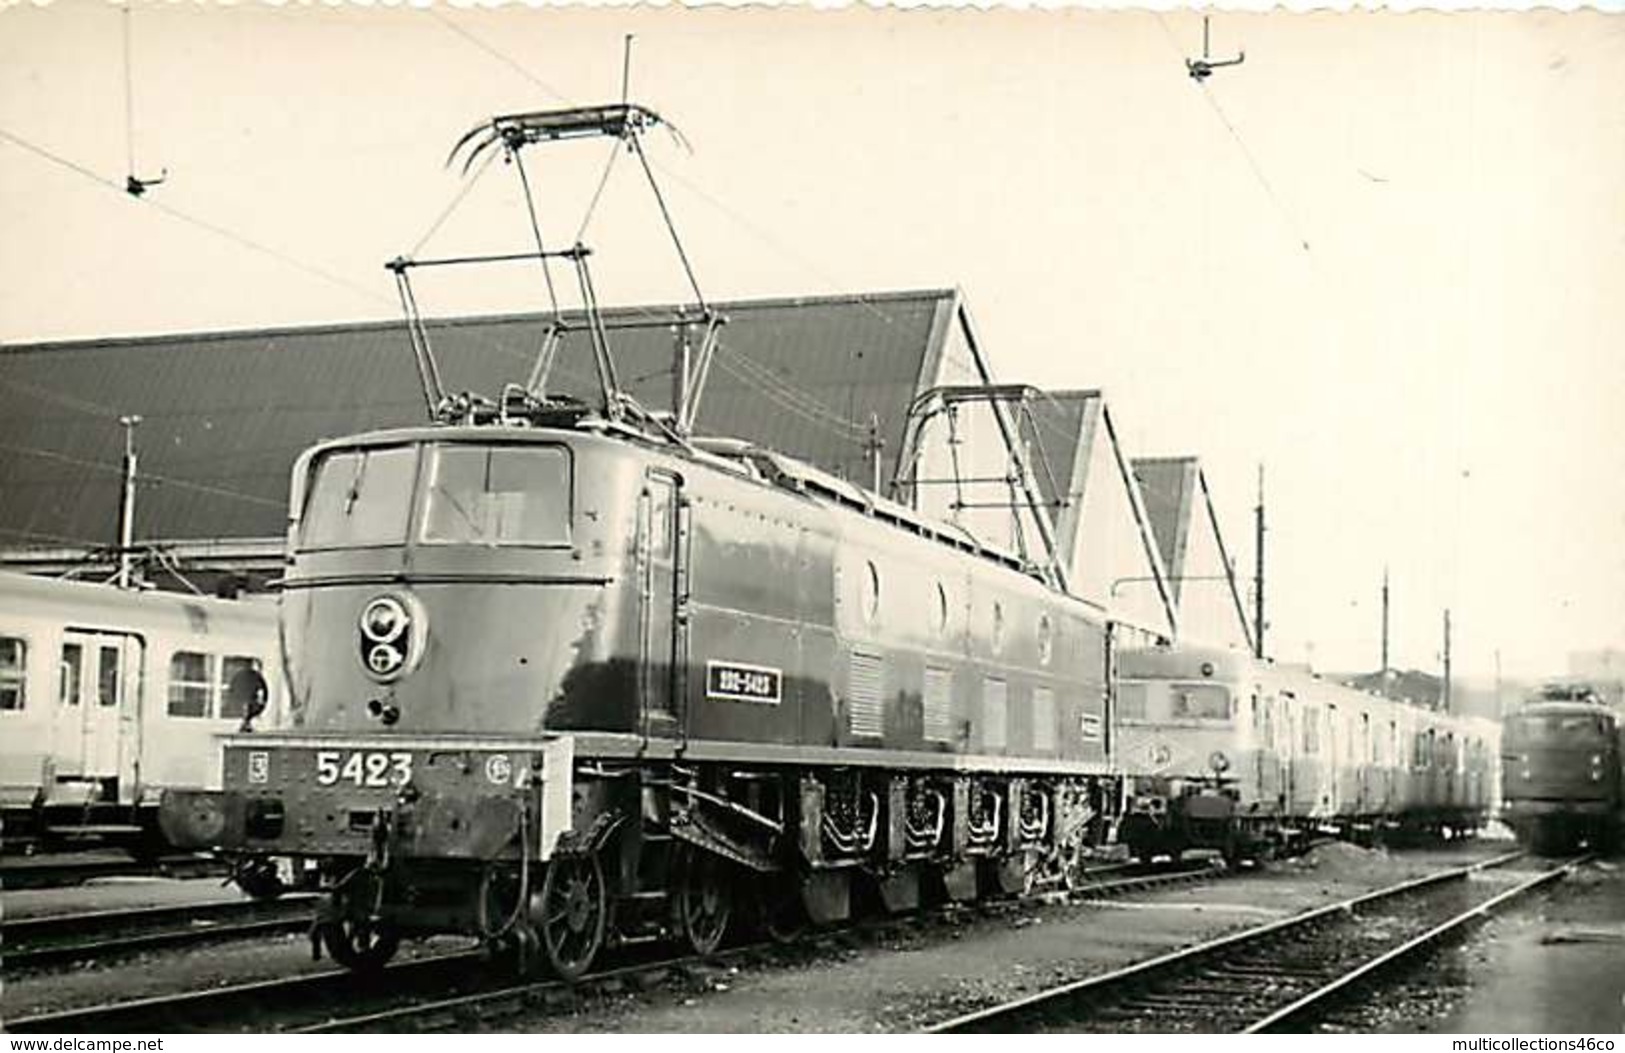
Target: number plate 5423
[{"x": 363, "y": 768}]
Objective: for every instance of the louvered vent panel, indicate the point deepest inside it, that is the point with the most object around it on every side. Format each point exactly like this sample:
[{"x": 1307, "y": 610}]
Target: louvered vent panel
[
  {"x": 995, "y": 713},
  {"x": 938, "y": 705},
  {"x": 865, "y": 702},
  {"x": 1043, "y": 718}
]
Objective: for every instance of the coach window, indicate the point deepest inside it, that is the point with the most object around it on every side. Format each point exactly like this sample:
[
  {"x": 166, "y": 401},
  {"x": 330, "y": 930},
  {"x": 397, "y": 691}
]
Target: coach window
[
  {"x": 1311, "y": 729},
  {"x": 73, "y": 660},
  {"x": 107, "y": 678},
  {"x": 13, "y": 667},
  {"x": 230, "y": 666},
  {"x": 189, "y": 684},
  {"x": 998, "y": 627},
  {"x": 360, "y": 498},
  {"x": 498, "y": 495}
]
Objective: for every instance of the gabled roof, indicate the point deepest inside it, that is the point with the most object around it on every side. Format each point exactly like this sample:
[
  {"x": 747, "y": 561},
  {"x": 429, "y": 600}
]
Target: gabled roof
[
  {"x": 1201, "y": 573},
  {"x": 1102, "y": 528},
  {"x": 225, "y": 414}
]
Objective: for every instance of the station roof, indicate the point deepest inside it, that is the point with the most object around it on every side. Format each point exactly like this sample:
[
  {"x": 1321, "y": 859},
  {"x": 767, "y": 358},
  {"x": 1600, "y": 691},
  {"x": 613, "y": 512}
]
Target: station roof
[
  {"x": 224, "y": 414},
  {"x": 1200, "y": 571}
]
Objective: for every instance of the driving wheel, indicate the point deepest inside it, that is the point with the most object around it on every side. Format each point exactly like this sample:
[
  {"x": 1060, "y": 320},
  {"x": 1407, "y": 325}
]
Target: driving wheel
[
  {"x": 575, "y": 906},
  {"x": 704, "y": 900}
]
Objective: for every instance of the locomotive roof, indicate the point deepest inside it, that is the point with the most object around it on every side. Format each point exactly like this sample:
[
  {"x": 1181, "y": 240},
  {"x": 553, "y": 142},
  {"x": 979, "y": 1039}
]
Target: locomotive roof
[{"x": 736, "y": 457}]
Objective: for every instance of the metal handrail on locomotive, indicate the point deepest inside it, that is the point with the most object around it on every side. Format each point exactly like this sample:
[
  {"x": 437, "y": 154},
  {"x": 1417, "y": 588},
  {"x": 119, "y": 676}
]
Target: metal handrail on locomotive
[
  {"x": 1223, "y": 751},
  {"x": 562, "y": 677}
]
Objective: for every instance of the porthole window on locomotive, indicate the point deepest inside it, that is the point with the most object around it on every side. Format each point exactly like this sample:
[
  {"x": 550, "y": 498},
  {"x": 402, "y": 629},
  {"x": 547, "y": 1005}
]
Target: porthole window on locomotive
[
  {"x": 998, "y": 627},
  {"x": 939, "y": 615},
  {"x": 1046, "y": 639},
  {"x": 870, "y": 584}
]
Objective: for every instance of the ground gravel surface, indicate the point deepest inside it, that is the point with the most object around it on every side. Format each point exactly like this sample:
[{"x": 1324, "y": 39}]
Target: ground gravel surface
[{"x": 914, "y": 979}]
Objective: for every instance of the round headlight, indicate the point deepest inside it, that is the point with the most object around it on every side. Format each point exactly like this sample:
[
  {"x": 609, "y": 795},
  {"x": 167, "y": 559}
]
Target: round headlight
[
  {"x": 391, "y": 631},
  {"x": 1218, "y": 762},
  {"x": 384, "y": 619}
]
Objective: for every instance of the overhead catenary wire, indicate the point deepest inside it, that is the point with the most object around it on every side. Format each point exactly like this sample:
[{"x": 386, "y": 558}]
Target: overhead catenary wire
[
  {"x": 129, "y": 94},
  {"x": 468, "y": 184},
  {"x": 1246, "y": 151},
  {"x": 103, "y": 466},
  {"x": 715, "y": 203}
]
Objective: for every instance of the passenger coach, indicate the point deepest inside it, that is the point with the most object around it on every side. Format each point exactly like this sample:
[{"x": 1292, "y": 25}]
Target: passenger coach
[{"x": 108, "y": 697}]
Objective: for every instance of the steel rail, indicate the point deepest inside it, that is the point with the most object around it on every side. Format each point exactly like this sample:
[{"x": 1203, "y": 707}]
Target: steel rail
[
  {"x": 1320, "y": 997},
  {"x": 542, "y": 990},
  {"x": 16, "y": 875},
  {"x": 998, "y": 1017},
  {"x": 174, "y": 1012},
  {"x": 415, "y": 978},
  {"x": 50, "y": 939}
]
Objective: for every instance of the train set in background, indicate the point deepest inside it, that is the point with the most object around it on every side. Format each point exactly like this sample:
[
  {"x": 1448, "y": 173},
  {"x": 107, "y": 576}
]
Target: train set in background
[
  {"x": 1564, "y": 763},
  {"x": 565, "y": 676},
  {"x": 108, "y": 697},
  {"x": 1226, "y": 752}
]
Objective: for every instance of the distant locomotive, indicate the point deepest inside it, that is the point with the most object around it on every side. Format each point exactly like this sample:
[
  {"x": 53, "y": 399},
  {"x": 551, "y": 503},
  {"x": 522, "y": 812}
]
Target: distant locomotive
[
  {"x": 563, "y": 679},
  {"x": 1225, "y": 752},
  {"x": 1562, "y": 771},
  {"x": 108, "y": 697}
]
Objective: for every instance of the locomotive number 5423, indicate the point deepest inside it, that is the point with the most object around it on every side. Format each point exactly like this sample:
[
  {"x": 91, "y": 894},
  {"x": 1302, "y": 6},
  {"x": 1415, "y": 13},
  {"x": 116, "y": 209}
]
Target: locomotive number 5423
[{"x": 363, "y": 768}]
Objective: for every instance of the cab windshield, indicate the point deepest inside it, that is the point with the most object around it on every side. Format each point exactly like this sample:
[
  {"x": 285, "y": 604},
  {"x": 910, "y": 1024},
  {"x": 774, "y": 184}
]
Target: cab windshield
[
  {"x": 497, "y": 495},
  {"x": 1156, "y": 701},
  {"x": 359, "y": 498},
  {"x": 1551, "y": 729},
  {"x": 471, "y": 495}
]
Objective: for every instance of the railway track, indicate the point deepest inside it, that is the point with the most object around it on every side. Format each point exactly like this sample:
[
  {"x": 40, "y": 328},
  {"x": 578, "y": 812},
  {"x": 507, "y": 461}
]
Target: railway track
[
  {"x": 454, "y": 988},
  {"x": 27, "y": 872},
  {"x": 1284, "y": 975},
  {"x": 35, "y": 943}
]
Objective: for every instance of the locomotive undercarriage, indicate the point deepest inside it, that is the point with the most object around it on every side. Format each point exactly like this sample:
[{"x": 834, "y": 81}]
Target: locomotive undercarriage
[{"x": 690, "y": 852}]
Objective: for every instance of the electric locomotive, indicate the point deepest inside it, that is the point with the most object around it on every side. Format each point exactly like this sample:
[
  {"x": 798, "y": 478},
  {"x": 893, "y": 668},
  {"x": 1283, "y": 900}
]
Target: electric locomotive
[
  {"x": 561, "y": 677},
  {"x": 1562, "y": 777}
]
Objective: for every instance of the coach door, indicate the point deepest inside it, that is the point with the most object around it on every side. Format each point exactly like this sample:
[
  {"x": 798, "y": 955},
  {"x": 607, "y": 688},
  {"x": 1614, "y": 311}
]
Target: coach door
[
  {"x": 95, "y": 694},
  {"x": 662, "y": 555}
]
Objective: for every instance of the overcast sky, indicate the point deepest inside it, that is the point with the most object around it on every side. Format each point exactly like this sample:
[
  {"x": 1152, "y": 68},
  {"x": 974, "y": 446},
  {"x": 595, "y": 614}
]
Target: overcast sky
[{"x": 1383, "y": 257}]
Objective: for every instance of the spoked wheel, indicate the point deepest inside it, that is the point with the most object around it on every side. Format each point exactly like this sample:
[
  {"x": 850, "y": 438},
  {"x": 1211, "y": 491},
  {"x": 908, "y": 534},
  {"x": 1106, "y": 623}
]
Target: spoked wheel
[
  {"x": 575, "y": 908},
  {"x": 704, "y": 900},
  {"x": 350, "y": 928},
  {"x": 359, "y": 943}
]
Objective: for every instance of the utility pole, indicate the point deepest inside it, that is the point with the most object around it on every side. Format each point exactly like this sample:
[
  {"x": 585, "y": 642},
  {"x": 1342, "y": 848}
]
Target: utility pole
[
  {"x": 1258, "y": 569},
  {"x": 1444, "y": 697},
  {"x": 872, "y": 447},
  {"x": 126, "y": 511},
  {"x": 1385, "y": 630}
]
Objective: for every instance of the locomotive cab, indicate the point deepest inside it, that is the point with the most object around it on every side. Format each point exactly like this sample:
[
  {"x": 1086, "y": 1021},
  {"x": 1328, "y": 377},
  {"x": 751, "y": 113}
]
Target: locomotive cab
[
  {"x": 1186, "y": 751},
  {"x": 1561, "y": 774}
]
